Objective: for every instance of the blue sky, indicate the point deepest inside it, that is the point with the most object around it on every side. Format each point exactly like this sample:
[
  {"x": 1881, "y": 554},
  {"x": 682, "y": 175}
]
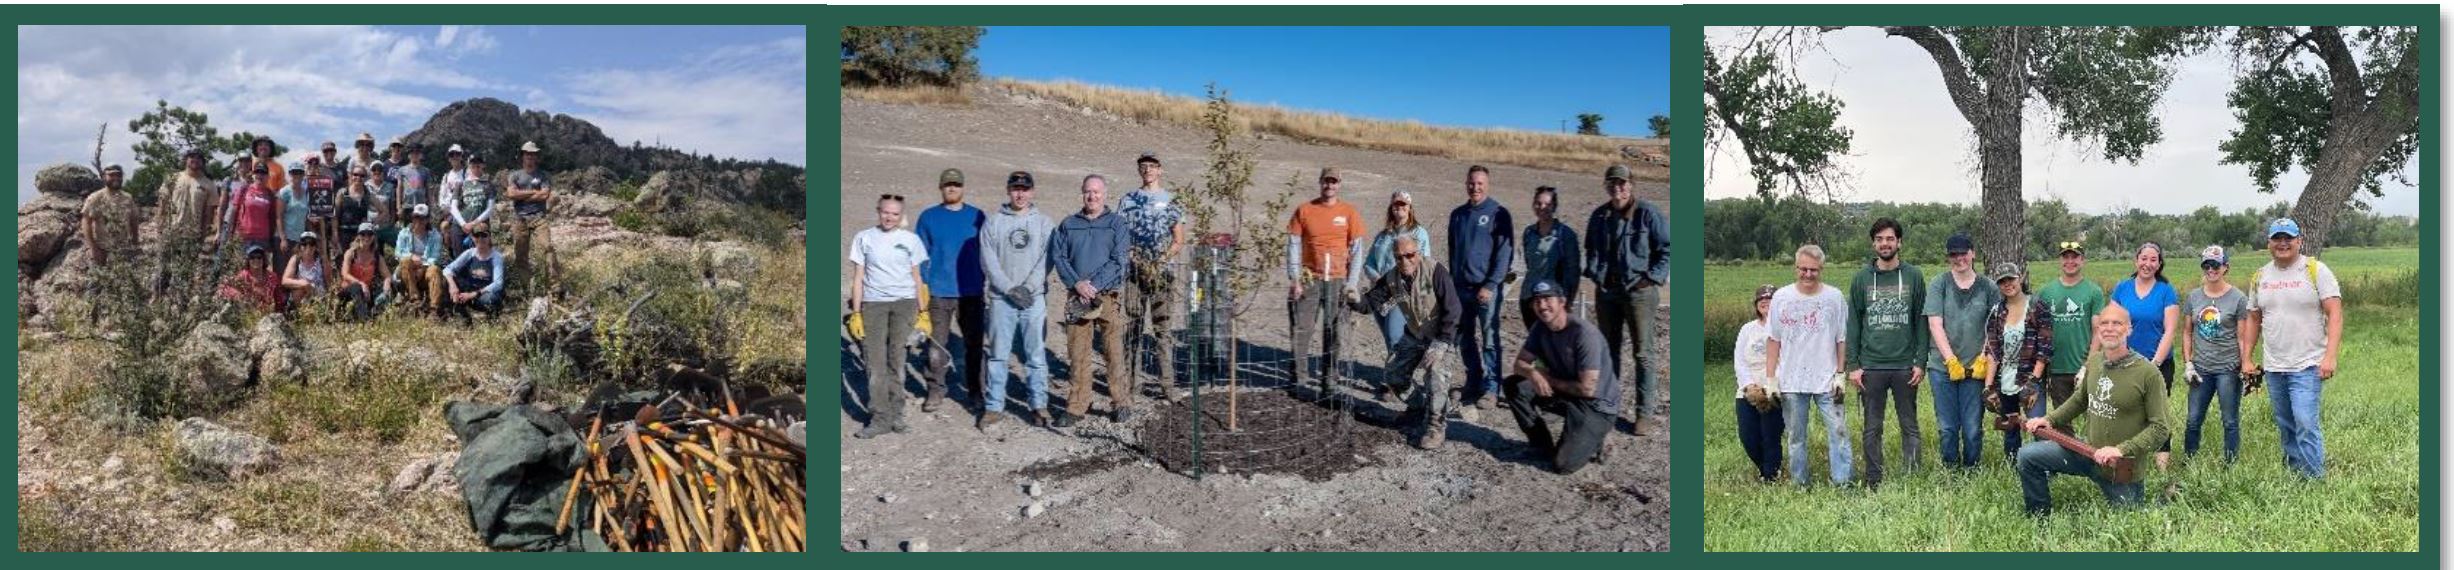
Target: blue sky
[
  {"x": 736, "y": 92},
  {"x": 1517, "y": 77}
]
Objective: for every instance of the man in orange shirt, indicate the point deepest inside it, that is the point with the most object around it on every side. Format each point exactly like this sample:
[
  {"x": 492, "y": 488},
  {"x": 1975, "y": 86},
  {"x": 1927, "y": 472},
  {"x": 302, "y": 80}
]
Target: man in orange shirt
[{"x": 1328, "y": 238}]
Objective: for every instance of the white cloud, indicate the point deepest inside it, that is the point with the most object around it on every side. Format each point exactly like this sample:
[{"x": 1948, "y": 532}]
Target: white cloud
[
  {"x": 298, "y": 84},
  {"x": 1911, "y": 144},
  {"x": 743, "y": 101}
]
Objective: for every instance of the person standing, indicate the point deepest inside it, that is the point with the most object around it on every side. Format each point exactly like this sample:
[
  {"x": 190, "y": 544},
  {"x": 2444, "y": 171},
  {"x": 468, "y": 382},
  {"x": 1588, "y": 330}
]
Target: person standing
[
  {"x": 1887, "y": 350},
  {"x": 2125, "y": 406},
  {"x": 1627, "y": 255},
  {"x": 1759, "y": 421},
  {"x": 885, "y": 292},
  {"x": 1014, "y": 255},
  {"x": 1328, "y": 236},
  {"x": 1090, "y": 252},
  {"x": 1426, "y": 300},
  {"x": 187, "y": 202},
  {"x": 2152, "y": 305},
  {"x": 473, "y": 203},
  {"x": 1550, "y": 251},
  {"x": 416, "y": 184},
  {"x": 1803, "y": 358},
  {"x": 1480, "y": 233},
  {"x": 1955, "y": 313},
  {"x": 951, "y": 234},
  {"x": 531, "y": 192},
  {"x": 1157, "y": 227},
  {"x": 2019, "y": 341},
  {"x": 254, "y": 216},
  {"x": 2212, "y": 351},
  {"x": 1564, "y": 369},
  {"x": 297, "y": 213},
  {"x": 1380, "y": 258},
  {"x": 2072, "y": 301},
  {"x": 108, "y": 220},
  {"x": 2298, "y": 305}
]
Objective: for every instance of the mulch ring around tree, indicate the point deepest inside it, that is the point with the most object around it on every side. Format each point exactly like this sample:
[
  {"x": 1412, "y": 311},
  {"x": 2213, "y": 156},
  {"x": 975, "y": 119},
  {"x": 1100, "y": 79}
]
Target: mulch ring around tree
[{"x": 1276, "y": 432}]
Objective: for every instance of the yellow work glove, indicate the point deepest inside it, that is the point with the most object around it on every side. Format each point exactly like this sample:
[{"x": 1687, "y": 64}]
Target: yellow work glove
[
  {"x": 852, "y": 325},
  {"x": 920, "y": 323},
  {"x": 1981, "y": 368},
  {"x": 924, "y": 301},
  {"x": 1958, "y": 372}
]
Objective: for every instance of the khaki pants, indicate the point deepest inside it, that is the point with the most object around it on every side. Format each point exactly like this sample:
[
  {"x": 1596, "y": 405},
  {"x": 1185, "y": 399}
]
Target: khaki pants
[
  {"x": 1149, "y": 301},
  {"x": 527, "y": 231},
  {"x": 1109, "y": 319},
  {"x": 421, "y": 284}
]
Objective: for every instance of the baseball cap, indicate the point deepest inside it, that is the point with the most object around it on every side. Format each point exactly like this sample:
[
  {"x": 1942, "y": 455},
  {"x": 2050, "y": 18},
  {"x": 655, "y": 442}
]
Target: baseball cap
[
  {"x": 1019, "y": 178},
  {"x": 1545, "y": 288},
  {"x": 1616, "y": 171},
  {"x": 306, "y": 237},
  {"x": 1147, "y": 157},
  {"x": 255, "y": 251},
  {"x": 367, "y": 139},
  {"x": 529, "y": 146},
  {"x": 475, "y": 158},
  {"x": 329, "y": 146},
  {"x": 1959, "y": 243},
  {"x": 1763, "y": 292},
  {"x": 112, "y": 169},
  {"x": 1401, "y": 196},
  {"x": 366, "y": 228},
  {"x": 418, "y": 211},
  {"x": 2213, "y": 257},
  {"x": 2284, "y": 226},
  {"x": 2007, "y": 270},
  {"x": 1330, "y": 173},
  {"x": 950, "y": 176},
  {"x": 454, "y": 150}
]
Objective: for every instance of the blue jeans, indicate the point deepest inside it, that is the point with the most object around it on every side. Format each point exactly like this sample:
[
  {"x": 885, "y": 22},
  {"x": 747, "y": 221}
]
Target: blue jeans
[
  {"x": 2227, "y": 388},
  {"x": 1392, "y": 328},
  {"x": 1958, "y": 406},
  {"x": 2294, "y": 395},
  {"x": 1479, "y": 339},
  {"x": 1793, "y": 410},
  {"x": 2039, "y": 461},
  {"x": 1004, "y": 320}
]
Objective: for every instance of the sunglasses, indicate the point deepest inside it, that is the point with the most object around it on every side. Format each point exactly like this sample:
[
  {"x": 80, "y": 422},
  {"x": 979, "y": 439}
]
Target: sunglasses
[
  {"x": 479, "y": 235},
  {"x": 895, "y": 197},
  {"x": 2069, "y": 245},
  {"x": 1405, "y": 256}
]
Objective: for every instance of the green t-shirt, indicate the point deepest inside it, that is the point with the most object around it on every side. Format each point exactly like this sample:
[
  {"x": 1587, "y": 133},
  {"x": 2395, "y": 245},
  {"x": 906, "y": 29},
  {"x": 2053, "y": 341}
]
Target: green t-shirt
[
  {"x": 2125, "y": 404},
  {"x": 1963, "y": 312},
  {"x": 2072, "y": 308}
]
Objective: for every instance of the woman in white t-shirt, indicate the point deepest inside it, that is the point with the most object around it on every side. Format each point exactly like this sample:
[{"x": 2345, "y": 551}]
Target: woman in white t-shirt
[
  {"x": 1759, "y": 419},
  {"x": 885, "y": 293}
]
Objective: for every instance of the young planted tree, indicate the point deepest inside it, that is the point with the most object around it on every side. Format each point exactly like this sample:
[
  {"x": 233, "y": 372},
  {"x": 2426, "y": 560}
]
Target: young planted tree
[
  {"x": 1218, "y": 204},
  {"x": 2342, "y": 104},
  {"x": 1589, "y": 124}
]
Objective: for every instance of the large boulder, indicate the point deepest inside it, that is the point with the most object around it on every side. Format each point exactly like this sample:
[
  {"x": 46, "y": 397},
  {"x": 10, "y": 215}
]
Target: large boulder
[
  {"x": 211, "y": 367},
  {"x": 276, "y": 352},
  {"x": 212, "y": 451},
  {"x": 593, "y": 180},
  {"x": 67, "y": 181},
  {"x": 568, "y": 206},
  {"x": 729, "y": 260},
  {"x": 44, "y": 228},
  {"x": 429, "y": 474}
]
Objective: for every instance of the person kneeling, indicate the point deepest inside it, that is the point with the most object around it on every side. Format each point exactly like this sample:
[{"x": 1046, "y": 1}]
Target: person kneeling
[
  {"x": 1564, "y": 369},
  {"x": 2125, "y": 404},
  {"x": 364, "y": 291},
  {"x": 1429, "y": 303},
  {"x": 475, "y": 278}
]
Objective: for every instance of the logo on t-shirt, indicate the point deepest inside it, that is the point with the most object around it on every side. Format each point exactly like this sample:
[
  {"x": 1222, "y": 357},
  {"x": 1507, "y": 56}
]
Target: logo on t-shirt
[
  {"x": 2100, "y": 400},
  {"x": 1018, "y": 239},
  {"x": 1339, "y": 221},
  {"x": 1483, "y": 220},
  {"x": 2210, "y": 322}
]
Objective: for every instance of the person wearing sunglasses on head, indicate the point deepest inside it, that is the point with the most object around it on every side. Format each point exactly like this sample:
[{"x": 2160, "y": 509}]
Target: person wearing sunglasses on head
[{"x": 2073, "y": 302}]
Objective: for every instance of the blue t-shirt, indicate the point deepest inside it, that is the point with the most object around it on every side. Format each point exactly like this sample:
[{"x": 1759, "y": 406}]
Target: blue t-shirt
[
  {"x": 293, "y": 213},
  {"x": 953, "y": 241},
  {"x": 2146, "y": 313}
]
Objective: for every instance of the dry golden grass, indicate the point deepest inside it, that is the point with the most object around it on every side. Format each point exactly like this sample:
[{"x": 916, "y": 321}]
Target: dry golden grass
[
  {"x": 912, "y": 95},
  {"x": 1566, "y": 153}
]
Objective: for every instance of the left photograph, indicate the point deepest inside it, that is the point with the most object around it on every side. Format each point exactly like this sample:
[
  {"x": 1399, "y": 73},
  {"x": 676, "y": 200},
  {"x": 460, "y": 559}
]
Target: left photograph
[
  {"x": 411, "y": 288},
  {"x": 1255, "y": 289}
]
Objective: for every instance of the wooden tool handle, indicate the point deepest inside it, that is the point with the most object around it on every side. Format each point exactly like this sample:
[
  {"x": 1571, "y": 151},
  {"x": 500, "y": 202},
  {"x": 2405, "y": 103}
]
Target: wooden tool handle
[{"x": 2122, "y": 472}]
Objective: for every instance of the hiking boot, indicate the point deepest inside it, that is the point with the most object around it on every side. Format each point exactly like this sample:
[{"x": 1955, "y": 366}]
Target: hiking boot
[
  {"x": 1384, "y": 394},
  {"x": 1039, "y": 418},
  {"x": 988, "y": 419},
  {"x": 871, "y": 430},
  {"x": 1432, "y": 438},
  {"x": 930, "y": 405},
  {"x": 1486, "y": 402},
  {"x": 1124, "y": 415},
  {"x": 1064, "y": 420},
  {"x": 1636, "y": 428},
  {"x": 901, "y": 427}
]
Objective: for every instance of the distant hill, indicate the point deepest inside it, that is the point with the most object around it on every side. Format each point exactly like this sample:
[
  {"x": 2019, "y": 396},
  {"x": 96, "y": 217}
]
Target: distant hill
[{"x": 496, "y": 128}]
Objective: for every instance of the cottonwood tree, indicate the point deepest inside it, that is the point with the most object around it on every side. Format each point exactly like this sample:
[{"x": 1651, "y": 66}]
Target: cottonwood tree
[
  {"x": 2099, "y": 85},
  {"x": 1789, "y": 134},
  {"x": 911, "y": 55},
  {"x": 2341, "y": 104}
]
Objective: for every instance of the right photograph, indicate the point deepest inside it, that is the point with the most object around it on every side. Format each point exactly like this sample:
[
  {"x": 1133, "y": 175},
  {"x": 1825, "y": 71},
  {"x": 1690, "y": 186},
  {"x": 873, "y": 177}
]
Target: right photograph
[{"x": 2062, "y": 288}]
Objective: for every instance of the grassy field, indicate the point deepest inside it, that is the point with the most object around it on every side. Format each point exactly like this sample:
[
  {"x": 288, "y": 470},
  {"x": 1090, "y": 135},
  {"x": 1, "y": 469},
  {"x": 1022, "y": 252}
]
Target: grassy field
[{"x": 2369, "y": 501}]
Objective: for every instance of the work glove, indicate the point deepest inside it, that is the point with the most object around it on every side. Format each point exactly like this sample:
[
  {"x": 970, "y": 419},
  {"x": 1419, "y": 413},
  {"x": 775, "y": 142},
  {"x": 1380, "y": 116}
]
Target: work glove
[
  {"x": 852, "y": 325},
  {"x": 1956, "y": 371},
  {"x": 2190, "y": 372},
  {"x": 1839, "y": 394},
  {"x": 1757, "y": 398},
  {"x": 1981, "y": 368},
  {"x": 1021, "y": 296},
  {"x": 920, "y": 324}
]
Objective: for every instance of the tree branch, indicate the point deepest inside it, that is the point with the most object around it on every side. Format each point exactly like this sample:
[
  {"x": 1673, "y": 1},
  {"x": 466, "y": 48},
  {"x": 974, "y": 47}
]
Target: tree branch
[
  {"x": 2342, "y": 72},
  {"x": 1956, "y": 77}
]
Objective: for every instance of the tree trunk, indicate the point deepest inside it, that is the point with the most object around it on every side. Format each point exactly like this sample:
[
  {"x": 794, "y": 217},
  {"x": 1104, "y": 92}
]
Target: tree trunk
[
  {"x": 2004, "y": 231},
  {"x": 2351, "y": 144}
]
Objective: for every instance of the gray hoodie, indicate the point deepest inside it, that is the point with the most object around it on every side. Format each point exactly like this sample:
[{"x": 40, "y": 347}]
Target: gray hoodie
[{"x": 1014, "y": 251}]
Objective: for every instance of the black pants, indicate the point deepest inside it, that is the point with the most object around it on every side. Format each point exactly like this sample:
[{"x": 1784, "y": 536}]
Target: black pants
[
  {"x": 1760, "y": 433},
  {"x": 2167, "y": 370},
  {"x": 1583, "y": 424},
  {"x": 2008, "y": 406},
  {"x": 357, "y": 302},
  {"x": 1888, "y": 387},
  {"x": 947, "y": 314}
]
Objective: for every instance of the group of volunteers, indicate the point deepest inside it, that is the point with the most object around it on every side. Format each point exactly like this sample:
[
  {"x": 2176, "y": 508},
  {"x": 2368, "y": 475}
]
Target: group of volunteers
[
  {"x": 408, "y": 237},
  {"x": 2106, "y": 353},
  {"x": 987, "y": 274}
]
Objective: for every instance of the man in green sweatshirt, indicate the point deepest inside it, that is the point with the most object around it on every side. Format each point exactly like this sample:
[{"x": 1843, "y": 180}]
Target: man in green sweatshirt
[
  {"x": 2123, "y": 397},
  {"x": 1887, "y": 345}
]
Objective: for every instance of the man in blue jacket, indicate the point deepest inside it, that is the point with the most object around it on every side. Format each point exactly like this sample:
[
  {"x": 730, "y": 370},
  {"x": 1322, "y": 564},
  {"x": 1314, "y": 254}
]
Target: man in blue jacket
[
  {"x": 1090, "y": 254},
  {"x": 951, "y": 233},
  {"x": 1482, "y": 244},
  {"x": 1627, "y": 255}
]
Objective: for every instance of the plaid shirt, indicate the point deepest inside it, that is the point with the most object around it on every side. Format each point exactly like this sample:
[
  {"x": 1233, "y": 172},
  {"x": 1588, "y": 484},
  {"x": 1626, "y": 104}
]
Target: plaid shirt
[{"x": 2036, "y": 346}]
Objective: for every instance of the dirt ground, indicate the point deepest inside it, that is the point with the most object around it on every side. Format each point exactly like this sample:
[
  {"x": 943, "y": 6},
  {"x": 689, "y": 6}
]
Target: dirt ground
[{"x": 952, "y": 487}]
